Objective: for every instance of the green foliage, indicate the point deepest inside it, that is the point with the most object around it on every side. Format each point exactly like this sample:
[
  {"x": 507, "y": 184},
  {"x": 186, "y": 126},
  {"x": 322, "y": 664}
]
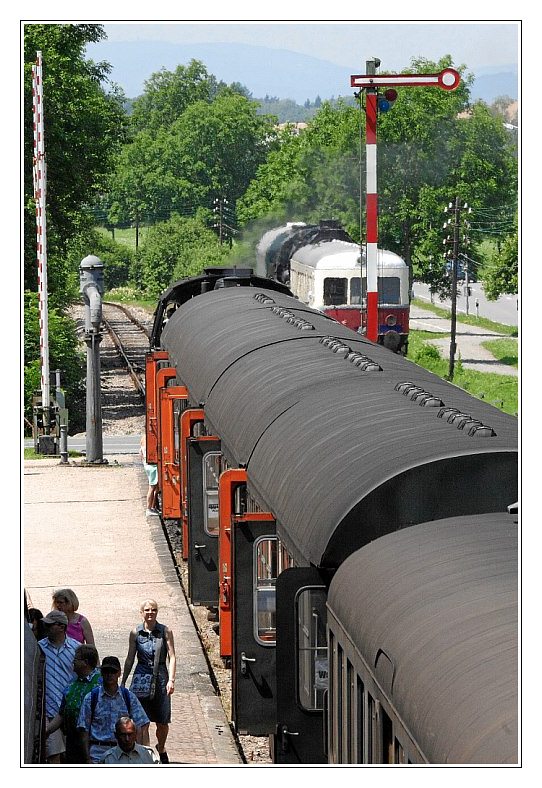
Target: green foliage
[
  {"x": 312, "y": 175},
  {"x": 501, "y": 391},
  {"x": 211, "y": 150},
  {"x": 175, "y": 249},
  {"x": 505, "y": 351},
  {"x": 499, "y": 270},
  {"x": 83, "y": 129},
  {"x": 63, "y": 352},
  {"x": 167, "y": 95}
]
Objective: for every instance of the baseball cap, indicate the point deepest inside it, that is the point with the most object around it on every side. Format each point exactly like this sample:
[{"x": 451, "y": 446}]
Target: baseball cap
[
  {"x": 110, "y": 662},
  {"x": 56, "y": 617}
]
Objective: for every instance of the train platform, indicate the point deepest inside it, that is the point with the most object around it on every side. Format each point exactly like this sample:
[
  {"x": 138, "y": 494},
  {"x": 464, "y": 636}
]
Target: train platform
[{"x": 85, "y": 528}]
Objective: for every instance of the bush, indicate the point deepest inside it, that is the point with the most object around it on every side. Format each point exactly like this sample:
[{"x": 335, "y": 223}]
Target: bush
[
  {"x": 64, "y": 354},
  {"x": 427, "y": 356},
  {"x": 175, "y": 249}
]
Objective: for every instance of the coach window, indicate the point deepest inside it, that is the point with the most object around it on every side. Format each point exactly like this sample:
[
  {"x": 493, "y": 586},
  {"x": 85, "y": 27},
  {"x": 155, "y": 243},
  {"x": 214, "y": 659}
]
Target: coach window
[
  {"x": 389, "y": 289},
  {"x": 265, "y": 578},
  {"x": 335, "y": 291},
  {"x": 360, "y": 719},
  {"x": 211, "y": 473},
  {"x": 355, "y": 290},
  {"x": 312, "y": 650}
]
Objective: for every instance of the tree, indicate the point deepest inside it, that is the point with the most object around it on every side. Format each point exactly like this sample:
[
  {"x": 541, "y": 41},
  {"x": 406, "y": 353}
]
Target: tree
[
  {"x": 175, "y": 249},
  {"x": 63, "y": 352},
  {"x": 499, "y": 272},
  {"x": 84, "y": 126},
  {"x": 168, "y": 94}
]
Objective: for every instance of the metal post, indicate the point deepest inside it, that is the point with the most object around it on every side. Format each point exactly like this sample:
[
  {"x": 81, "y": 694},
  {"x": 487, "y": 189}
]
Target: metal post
[
  {"x": 453, "y": 346},
  {"x": 92, "y": 289},
  {"x": 467, "y": 288},
  {"x": 371, "y": 113},
  {"x": 40, "y": 189}
]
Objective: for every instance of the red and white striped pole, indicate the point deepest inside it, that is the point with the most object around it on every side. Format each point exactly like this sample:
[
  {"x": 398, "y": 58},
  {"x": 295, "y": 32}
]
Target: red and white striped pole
[
  {"x": 41, "y": 229},
  {"x": 371, "y": 219},
  {"x": 447, "y": 79}
]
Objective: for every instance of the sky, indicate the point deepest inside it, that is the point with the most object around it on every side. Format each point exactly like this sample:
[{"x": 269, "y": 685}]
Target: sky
[{"x": 483, "y": 44}]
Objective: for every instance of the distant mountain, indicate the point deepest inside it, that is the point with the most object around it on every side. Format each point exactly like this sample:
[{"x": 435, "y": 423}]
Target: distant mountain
[
  {"x": 264, "y": 71},
  {"x": 488, "y": 87}
]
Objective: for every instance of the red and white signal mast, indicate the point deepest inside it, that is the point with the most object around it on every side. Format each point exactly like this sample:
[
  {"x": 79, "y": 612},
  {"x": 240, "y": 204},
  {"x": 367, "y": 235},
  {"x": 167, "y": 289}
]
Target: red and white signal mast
[
  {"x": 447, "y": 79},
  {"x": 40, "y": 188}
]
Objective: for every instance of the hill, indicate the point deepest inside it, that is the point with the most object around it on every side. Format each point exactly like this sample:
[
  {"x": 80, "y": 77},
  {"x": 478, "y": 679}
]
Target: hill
[{"x": 264, "y": 71}]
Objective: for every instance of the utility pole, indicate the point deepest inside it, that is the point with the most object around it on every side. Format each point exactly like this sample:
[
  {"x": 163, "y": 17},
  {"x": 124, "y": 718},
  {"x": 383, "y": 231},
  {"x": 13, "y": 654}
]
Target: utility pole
[
  {"x": 454, "y": 222},
  {"x": 224, "y": 220}
]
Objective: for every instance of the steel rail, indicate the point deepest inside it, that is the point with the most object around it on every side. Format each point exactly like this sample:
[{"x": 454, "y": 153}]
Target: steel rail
[
  {"x": 129, "y": 315},
  {"x": 138, "y": 382}
]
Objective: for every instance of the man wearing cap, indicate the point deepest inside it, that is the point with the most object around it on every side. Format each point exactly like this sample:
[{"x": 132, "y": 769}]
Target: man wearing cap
[
  {"x": 128, "y": 752},
  {"x": 102, "y": 708},
  {"x": 59, "y": 651}
]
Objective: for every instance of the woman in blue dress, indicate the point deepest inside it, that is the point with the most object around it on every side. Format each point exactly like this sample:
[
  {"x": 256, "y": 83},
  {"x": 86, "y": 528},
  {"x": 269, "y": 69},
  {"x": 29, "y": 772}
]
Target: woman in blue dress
[{"x": 143, "y": 642}]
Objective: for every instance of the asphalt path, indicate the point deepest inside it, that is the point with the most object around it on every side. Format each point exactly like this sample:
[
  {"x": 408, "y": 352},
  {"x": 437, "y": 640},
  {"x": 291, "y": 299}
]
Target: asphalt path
[
  {"x": 469, "y": 341},
  {"x": 504, "y": 310}
]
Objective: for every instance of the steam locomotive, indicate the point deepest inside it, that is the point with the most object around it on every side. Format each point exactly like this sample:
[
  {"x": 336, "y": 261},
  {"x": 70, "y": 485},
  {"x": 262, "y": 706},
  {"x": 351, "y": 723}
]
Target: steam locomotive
[{"x": 326, "y": 270}]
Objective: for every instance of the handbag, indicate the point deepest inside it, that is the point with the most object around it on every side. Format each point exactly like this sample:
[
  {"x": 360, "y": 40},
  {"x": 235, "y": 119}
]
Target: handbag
[{"x": 144, "y": 684}]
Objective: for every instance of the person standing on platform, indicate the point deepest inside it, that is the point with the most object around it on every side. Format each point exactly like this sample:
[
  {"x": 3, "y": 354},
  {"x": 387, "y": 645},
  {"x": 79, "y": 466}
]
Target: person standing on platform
[
  {"x": 153, "y": 644},
  {"x": 59, "y": 651},
  {"x": 85, "y": 665},
  {"x": 152, "y": 475},
  {"x": 79, "y": 628},
  {"x": 128, "y": 752},
  {"x": 101, "y": 709}
]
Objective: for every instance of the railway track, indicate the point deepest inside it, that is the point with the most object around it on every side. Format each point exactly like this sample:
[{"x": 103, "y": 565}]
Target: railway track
[
  {"x": 124, "y": 345},
  {"x": 130, "y": 339}
]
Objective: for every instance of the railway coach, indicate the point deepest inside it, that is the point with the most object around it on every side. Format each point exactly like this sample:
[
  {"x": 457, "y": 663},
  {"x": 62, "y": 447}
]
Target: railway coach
[
  {"x": 325, "y": 269},
  {"x": 290, "y": 447}
]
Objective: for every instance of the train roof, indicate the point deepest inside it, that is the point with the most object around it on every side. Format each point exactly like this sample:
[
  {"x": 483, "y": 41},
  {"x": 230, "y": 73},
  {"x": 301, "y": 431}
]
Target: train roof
[
  {"x": 439, "y": 630},
  {"x": 337, "y": 254},
  {"x": 342, "y": 439}
]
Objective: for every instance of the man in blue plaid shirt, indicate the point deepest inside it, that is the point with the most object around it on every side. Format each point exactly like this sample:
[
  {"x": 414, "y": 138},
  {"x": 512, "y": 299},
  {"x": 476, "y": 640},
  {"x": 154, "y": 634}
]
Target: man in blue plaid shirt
[{"x": 102, "y": 708}]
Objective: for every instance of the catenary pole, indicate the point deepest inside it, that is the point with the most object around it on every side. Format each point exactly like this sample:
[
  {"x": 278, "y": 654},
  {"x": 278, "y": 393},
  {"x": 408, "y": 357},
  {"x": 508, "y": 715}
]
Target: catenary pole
[{"x": 40, "y": 185}]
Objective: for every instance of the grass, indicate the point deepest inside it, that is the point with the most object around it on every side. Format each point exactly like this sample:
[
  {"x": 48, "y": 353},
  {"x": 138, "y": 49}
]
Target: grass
[
  {"x": 505, "y": 351},
  {"x": 501, "y": 391},
  {"x": 469, "y": 320},
  {"x": 31, "y": 454},
  {"x": 126, "y": 236}
]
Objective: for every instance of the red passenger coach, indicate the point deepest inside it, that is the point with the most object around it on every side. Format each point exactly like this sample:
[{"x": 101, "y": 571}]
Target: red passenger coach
[{"x": 332, "y": 277}]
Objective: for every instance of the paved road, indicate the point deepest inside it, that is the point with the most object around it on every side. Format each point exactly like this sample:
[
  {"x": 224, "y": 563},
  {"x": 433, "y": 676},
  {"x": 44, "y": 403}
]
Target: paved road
[
  {"x": 469, "y": 340},
  {"x": 504, "y": 310}
]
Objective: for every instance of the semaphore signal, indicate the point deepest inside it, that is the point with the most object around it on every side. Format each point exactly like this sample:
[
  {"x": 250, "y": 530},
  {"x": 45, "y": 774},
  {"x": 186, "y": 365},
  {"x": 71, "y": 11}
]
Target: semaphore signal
[{"x": 447, "y": 79}]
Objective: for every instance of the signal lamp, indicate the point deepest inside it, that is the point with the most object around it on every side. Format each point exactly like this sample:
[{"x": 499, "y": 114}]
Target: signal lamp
[{"x": 386, "y": 101}]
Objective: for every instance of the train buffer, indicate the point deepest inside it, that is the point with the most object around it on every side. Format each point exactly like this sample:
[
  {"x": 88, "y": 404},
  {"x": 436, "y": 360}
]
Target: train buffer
[{"x": 85, "y": 528}]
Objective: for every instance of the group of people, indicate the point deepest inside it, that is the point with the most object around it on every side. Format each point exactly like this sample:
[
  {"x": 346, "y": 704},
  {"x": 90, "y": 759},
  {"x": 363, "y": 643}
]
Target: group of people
[{"x": 92, "y": 717}]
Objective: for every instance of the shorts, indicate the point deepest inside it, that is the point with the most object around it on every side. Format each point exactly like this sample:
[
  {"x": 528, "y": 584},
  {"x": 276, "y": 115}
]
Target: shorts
[
  {"x": 54, "y": 744},
  {"x": 152, "y": 473}
]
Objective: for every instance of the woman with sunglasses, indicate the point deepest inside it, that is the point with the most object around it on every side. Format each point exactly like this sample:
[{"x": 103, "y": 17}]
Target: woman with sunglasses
[{"x": 143, "y": 642}]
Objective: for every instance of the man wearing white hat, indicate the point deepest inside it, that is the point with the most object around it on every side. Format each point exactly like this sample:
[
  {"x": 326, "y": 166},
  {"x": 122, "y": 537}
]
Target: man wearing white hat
[{"x": 59, "y": 650}]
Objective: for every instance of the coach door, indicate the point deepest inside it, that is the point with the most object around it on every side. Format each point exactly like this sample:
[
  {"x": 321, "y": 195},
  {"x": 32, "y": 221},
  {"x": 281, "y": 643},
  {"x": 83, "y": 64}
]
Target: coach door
[
  {"x": 302, "y": 665},
  {"x": 204, "y": 465},
  {"x": 254, "y": 561}
]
